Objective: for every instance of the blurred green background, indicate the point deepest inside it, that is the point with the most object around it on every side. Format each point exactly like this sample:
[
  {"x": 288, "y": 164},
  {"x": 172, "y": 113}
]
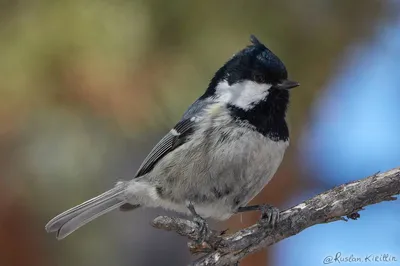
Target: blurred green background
[{"x": 88, "y": 87}]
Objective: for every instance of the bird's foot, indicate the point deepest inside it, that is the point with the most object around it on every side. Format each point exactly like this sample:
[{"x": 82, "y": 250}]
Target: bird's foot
[
  {"x": 204, "y": 231},
  {"x": 269, "y": 214}
]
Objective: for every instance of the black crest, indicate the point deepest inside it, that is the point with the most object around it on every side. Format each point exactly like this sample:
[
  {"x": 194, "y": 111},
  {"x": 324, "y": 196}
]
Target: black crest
[{"x": 255, "y": 62}]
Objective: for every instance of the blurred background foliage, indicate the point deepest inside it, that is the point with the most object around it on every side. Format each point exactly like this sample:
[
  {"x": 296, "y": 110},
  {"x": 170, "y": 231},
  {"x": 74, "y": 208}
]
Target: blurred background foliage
[{"x": 88, "y": 87}]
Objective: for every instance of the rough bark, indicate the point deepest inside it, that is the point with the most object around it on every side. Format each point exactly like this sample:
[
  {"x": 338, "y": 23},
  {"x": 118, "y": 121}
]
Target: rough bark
[{"x": 333, "y": 205}]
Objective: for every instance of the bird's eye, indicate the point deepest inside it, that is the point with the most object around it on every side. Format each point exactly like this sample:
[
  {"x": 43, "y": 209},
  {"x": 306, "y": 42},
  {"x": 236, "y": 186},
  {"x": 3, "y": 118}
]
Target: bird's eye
[{"x": 259, "y": 78}]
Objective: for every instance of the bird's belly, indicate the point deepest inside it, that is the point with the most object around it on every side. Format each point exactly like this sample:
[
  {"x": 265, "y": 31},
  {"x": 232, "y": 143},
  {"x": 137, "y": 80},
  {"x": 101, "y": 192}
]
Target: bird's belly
[{"x": 220, "y": 176}]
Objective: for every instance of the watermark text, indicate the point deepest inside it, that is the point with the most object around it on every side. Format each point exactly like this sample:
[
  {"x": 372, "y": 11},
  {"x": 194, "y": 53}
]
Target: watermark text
[{"x": 340, "y": 258}]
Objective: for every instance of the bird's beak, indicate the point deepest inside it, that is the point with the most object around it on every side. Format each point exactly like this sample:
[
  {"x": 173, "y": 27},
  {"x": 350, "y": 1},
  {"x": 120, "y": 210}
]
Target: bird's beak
[{"x": 288, "y": 84}]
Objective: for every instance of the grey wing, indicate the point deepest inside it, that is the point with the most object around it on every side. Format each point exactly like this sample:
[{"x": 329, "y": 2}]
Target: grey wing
[
  {"x": 197, "y": 108},
  {"x": 173, "y": 139},
  {"x": 176, "y": 137}
]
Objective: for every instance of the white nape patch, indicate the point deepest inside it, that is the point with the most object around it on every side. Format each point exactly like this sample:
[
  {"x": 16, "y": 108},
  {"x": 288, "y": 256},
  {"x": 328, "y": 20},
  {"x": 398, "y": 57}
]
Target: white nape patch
[{"x": 243, "y": 94}]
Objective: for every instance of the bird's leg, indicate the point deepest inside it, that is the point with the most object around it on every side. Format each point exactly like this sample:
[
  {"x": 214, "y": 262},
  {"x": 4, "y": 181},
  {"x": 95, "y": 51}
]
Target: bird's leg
[
  {"x": 201, "y": 222},
  {"x": 269, "y": 214}
]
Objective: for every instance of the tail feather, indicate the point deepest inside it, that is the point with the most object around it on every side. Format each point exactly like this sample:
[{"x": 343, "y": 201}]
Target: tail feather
[{"x": 72, "y": 219}]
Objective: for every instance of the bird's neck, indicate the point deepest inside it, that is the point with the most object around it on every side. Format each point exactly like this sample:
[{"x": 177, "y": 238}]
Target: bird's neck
[{"x": 267, "y": 116}]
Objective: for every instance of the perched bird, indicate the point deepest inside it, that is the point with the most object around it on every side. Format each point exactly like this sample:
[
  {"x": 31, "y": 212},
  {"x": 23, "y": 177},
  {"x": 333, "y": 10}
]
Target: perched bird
[{"x": 219, "y": 156}]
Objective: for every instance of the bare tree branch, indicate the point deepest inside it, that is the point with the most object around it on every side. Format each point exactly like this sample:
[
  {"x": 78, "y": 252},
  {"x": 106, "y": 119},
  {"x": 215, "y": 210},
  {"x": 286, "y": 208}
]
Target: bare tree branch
[{"x": 333, "y": 205}]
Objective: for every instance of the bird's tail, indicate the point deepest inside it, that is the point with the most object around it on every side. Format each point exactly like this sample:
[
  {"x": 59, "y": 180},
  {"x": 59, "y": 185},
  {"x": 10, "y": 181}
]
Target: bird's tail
[{"x": 72, "y": 219}]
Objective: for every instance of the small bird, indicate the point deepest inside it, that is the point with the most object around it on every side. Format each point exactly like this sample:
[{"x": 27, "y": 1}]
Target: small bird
[{"x": 224, "y": 150}]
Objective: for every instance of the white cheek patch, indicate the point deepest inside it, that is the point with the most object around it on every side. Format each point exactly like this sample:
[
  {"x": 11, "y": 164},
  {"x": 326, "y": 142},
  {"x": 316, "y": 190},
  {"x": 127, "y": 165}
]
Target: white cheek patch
[{"x": 243, "y": 94}]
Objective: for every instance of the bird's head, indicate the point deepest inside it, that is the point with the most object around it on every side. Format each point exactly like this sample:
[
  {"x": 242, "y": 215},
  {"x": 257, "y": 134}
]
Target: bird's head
[{"x": 250, "y": 76}]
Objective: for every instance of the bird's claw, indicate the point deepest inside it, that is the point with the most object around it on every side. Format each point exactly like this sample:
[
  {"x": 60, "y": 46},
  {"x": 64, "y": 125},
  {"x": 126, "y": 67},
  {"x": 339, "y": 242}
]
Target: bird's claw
[
  {"x": 269, "y": 215},
  {"x": 204, "y": 230}
]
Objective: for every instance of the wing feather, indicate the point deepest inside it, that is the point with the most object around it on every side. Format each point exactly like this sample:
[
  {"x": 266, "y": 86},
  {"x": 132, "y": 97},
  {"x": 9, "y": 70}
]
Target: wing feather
[
  {"x": 176, "y": 137},
  {"x": 173, "y": 139}
]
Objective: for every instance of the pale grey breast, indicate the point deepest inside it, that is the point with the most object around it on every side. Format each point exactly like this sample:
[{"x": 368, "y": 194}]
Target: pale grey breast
[{"x": 222, "y": 168}]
